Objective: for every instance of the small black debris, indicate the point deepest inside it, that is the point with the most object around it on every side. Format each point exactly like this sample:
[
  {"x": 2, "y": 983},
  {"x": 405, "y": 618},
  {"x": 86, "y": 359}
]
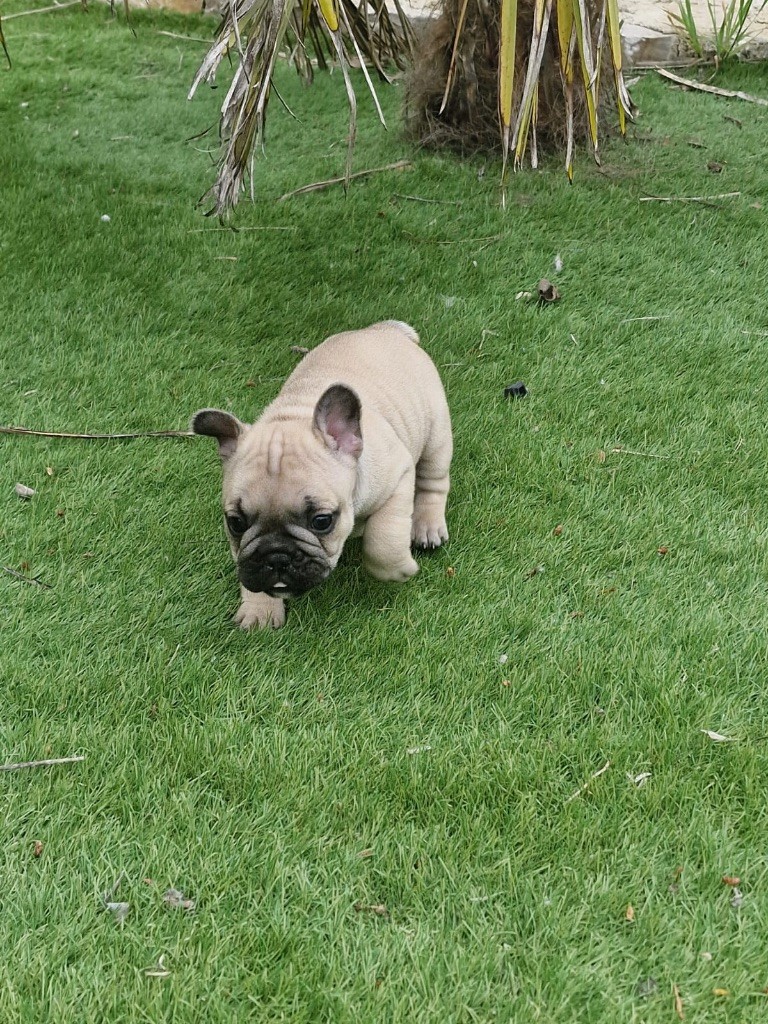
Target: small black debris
[{"x": 516, "y": 390}]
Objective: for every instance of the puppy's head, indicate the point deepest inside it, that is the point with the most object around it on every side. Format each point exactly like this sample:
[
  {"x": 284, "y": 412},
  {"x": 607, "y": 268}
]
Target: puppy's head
[{"x": 287, "y": 490}]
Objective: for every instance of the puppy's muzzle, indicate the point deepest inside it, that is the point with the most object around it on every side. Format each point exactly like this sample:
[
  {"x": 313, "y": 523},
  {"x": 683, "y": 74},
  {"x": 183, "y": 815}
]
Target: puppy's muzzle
[{"x": 280, "y": 569}]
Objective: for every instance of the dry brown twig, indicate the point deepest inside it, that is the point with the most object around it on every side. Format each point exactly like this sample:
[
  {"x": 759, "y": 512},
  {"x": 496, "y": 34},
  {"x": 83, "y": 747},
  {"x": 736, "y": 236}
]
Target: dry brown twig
[
  {"x": 23, "y": 431},
  {"x": 630, "y": 451},
  {"x": 688, "y": 199},
  {"x": 39, "y": 764},
  {"x": 318, "y": 186},
  {"x": 236, "y": 231},
  {"x": 26, "y": 579},
  {"x": 43, "y": 10},
  {"x": 731, "y": 94},
  {"x": 187, "y": 39},
  {"x": 635, "y": 319},
  {"x": 586, "y": 784},
  {"x": 422, "y": 199}
]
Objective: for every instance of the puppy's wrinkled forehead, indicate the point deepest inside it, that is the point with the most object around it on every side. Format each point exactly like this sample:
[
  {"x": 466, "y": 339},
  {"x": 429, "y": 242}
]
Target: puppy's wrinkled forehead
[{"x": 275, "y": 466}]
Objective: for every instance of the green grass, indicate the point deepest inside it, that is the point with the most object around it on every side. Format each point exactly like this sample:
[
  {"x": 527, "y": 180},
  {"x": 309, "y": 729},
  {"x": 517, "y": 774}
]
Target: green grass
[{"x": 251, "y": 770}]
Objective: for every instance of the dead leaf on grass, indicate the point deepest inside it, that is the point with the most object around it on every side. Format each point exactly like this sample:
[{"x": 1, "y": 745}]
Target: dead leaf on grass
[
  {"x": 547, "y": 292},
  {"x": 365, "y": 854},
  {"x": 175, "y": 898},
  {"x": 49, "y": 470},
  {"x": 24, "y": 492},
  {"x": 372, "y": 908},
  {"x": 717, "y": 737},
  {"x": 663, "y": 550},
  {"x": 721, "y": 992},
  {"x": 629, "y": 914},
  {"x": 158, "y": 970},
  {"x": 678, "y": 1003},
  {"x": 557, "y": 530},
  {"x": 714, "y": 167},
  {"x": 37, "y": 849},
  {"x": 706, "y": 956},
  {"x": 731, "y": 880},
  {"x": 299, "y": 350},
  {"x": 450, "y": 572},
  {"x": 535, "y": 571},
  {"x": 639, "y": 779},
  {"x": 120, "y": 911}
]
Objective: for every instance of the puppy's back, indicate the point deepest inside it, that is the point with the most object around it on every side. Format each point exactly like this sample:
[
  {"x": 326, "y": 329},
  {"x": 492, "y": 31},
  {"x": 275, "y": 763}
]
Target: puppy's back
[{"x": 392, "y": 375}]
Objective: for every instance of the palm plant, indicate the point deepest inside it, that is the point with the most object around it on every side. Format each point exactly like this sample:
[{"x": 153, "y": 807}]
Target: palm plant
[{"x": 526, "y": 43}]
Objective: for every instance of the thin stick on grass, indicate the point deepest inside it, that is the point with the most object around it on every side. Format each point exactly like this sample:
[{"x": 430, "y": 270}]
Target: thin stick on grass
[
  {"x": 730, "y": 94},
  {"x": 636, "y": 319},
  {"x": 421, "y": 199},
  {"x": 237, "y": 230},
  {"x": 43, "y": 10},
  {"x": 24, "y": 432},
  {"x": 39, "y": 764},
  {"x": 688, "y": 199},
  {"x": 318, "y": 186},
  {"x": 454, "y": 241},
  {"x": 585, "y": 785},
  {"x": 26, "y": 579},
  {"x": 629, "y": 451},
  {"x": 187, "y": 39}
]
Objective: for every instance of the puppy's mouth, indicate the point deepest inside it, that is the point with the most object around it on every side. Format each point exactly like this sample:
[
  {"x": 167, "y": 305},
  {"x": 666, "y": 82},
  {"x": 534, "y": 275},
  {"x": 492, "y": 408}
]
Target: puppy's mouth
[
  {"x": 280, "y": 590},
  {"x": 280, "y": 569}
]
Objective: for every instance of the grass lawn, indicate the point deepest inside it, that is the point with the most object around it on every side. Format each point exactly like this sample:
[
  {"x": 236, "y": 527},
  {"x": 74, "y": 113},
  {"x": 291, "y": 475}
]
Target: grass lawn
[{"x": 409, "y": 748}]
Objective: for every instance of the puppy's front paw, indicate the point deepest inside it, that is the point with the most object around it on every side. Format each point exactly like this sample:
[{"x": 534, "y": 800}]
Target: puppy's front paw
[
  {"x": 393, "y": 573},
  {"x": 260, "y": 610},
  {"x": 428, "y": 531}
]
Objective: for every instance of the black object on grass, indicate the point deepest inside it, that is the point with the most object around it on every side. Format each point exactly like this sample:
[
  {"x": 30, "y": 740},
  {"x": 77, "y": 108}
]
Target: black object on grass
[{"x": 516, "y": 390}]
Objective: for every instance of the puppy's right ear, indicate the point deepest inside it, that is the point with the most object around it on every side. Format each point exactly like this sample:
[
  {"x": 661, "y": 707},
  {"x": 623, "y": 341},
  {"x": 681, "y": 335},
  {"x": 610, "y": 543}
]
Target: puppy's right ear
[{"x": 225, "y": 427}]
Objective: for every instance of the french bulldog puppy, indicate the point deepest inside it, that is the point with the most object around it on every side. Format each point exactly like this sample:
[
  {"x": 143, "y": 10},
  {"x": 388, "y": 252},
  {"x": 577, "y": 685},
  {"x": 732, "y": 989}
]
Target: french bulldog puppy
[{"x": 358, "y": 441}]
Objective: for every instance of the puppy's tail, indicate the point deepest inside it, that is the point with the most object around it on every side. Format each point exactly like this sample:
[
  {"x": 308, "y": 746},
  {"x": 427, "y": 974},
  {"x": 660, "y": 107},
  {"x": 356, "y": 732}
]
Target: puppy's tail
[{"x": 407, "y": 330}]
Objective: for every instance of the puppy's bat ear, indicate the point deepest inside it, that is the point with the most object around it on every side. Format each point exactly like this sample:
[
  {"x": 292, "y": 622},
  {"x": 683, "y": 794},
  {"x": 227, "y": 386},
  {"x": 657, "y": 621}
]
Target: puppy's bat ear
[
  {"x": 337, "y": 418},
  {"x": 225, "y": 427}
]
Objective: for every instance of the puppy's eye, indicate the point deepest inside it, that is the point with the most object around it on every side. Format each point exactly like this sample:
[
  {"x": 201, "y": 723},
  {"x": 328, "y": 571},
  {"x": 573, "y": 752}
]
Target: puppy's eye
[
  {"x": 322, "y": 523},
  {"x": 236, "y": 524}
]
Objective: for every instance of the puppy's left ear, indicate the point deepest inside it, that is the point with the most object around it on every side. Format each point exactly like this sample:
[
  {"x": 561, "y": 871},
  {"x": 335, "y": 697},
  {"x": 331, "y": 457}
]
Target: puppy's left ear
[
  {"x": 337, "y": 419},
  {"x": 225, "y": 427}
]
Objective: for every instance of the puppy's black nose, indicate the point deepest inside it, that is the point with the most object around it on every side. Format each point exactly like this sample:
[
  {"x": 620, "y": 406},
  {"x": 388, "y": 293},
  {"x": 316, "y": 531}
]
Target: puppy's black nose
[{"x": 276, "y": 561}]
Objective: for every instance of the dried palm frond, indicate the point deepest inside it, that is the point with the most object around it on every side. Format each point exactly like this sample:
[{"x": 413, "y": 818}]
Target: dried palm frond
[
  {"x": 490, "y": 74},
  {"x": 342, "y": 32}
]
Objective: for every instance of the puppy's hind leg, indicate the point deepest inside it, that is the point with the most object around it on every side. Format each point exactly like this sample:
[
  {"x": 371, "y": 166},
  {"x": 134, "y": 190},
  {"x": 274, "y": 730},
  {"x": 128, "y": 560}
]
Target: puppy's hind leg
[{"x": 429, "y": 528}]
